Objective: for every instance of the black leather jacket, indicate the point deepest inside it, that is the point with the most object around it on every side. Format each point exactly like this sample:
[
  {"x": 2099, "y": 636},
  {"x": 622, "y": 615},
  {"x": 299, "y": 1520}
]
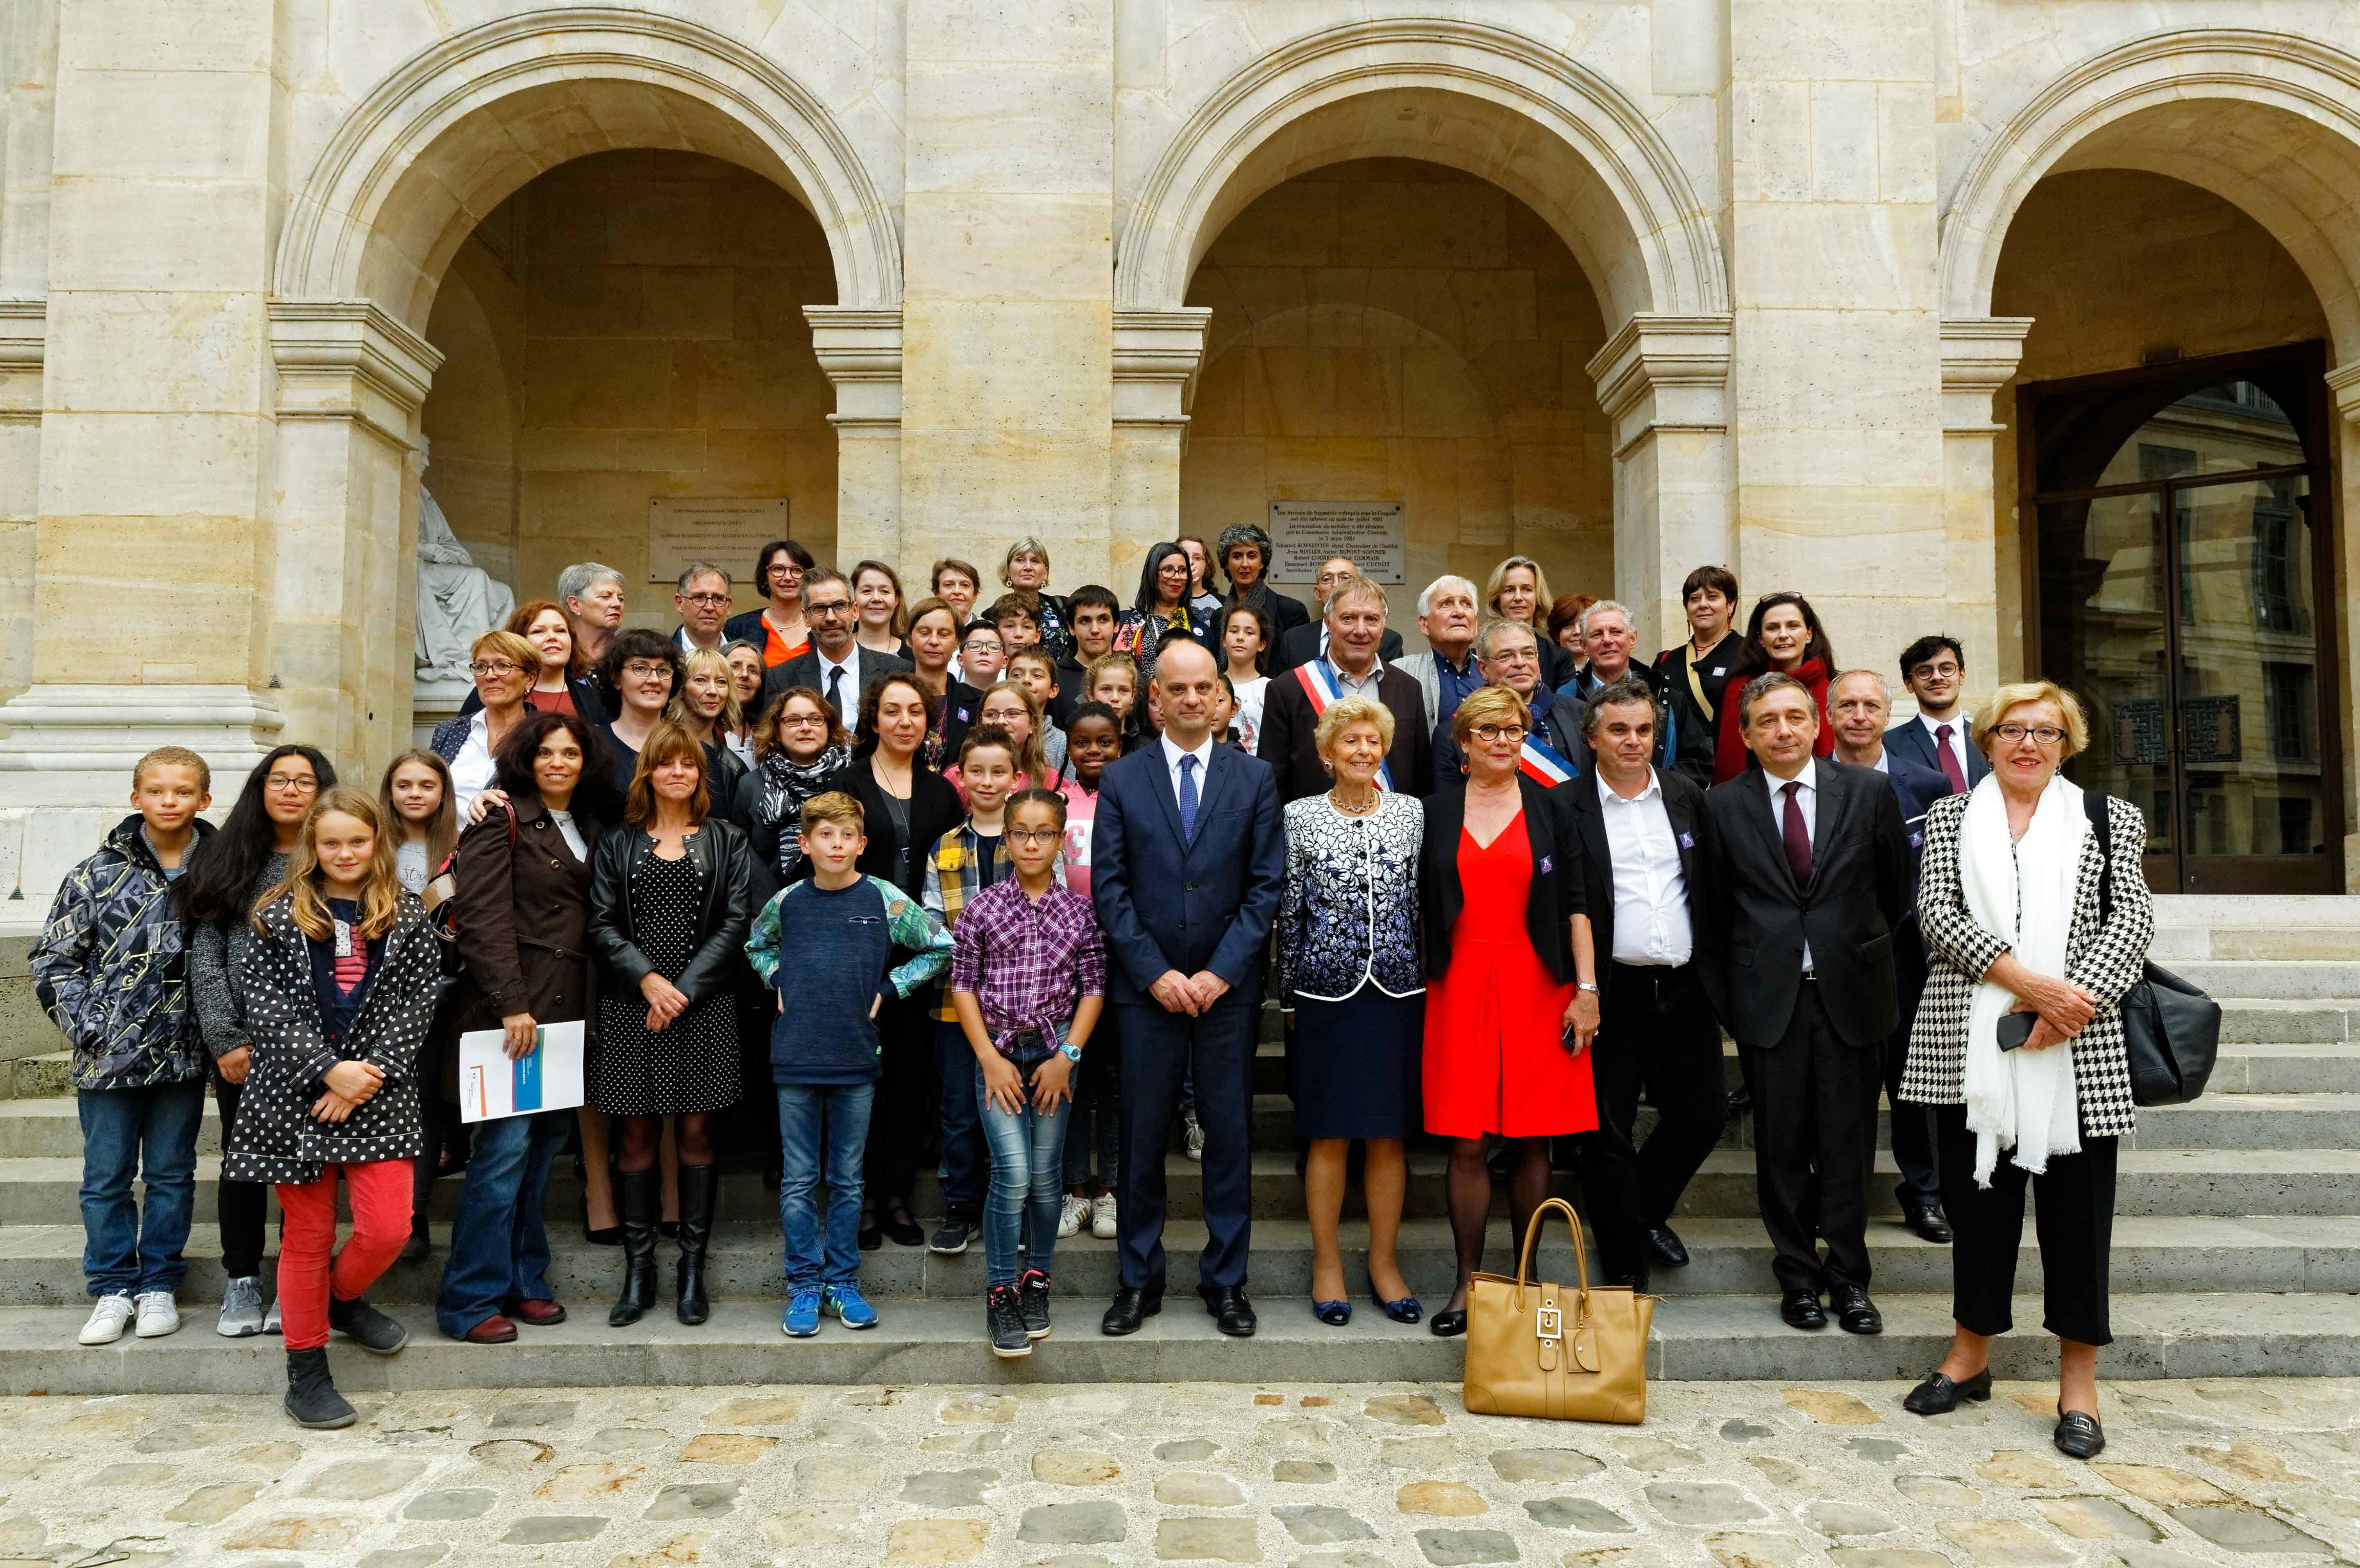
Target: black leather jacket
[{"x": 725, "y": 875}]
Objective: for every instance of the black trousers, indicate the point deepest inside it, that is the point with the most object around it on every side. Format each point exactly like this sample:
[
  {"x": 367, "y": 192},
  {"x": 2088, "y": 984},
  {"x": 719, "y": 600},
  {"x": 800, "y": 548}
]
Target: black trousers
[
  {"x": 1657, "y": 1033},
  {"x": 1912, "y": 1126},
  {"x": 901, "y": 1127},
  {"x": 1158, "y": 1049},
  {"x": 1814, "y": 1141},
  {"x": 240, "y": 1206},
  {"x": 2073, "y": 1214}
]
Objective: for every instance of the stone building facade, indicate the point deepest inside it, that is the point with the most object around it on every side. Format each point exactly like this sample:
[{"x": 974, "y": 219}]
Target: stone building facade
[{"x": 2037, "y": 322}]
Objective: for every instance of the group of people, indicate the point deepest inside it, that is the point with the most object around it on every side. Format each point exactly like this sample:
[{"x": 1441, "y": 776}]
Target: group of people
[{"x": 1001, "y": 886}]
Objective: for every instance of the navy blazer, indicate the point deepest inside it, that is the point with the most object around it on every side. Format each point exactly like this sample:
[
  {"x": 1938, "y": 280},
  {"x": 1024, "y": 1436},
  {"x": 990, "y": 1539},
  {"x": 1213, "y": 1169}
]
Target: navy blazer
[
  {"x": 1208, "y": 904},
  {"x": 1916, "y": 788},
  {"x": 1909, "y": 740}
]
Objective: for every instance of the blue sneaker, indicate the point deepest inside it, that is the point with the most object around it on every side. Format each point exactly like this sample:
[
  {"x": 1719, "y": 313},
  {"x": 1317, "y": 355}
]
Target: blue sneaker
[
  {"x": 846, "y": 1303},
  {"x": 801, "y": 1319}
]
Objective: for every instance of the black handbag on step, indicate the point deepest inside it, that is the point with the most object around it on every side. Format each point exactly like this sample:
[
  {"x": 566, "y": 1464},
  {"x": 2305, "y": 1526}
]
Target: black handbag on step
[{"x": 2171, "y": 1030}]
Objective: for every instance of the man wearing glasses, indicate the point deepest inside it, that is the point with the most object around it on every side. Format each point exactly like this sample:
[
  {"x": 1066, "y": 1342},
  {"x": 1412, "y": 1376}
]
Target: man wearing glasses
[
  {"x": 1305, "y": 643},
  {"x": 702, "y": 598},
  {"x": 835, "y": 666},
  {"x": 1934, "y": 669}
]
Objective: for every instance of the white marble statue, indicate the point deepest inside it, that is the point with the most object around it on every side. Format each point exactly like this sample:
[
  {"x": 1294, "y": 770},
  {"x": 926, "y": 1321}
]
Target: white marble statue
[{"x": 457, "y": 600}]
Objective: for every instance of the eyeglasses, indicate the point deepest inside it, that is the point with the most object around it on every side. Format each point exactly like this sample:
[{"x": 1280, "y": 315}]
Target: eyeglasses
[
  {"x": 494, "y": 667},
  {"x": 2046, "y": 735},
  {"x": 640, "y": 669},
  {"x": 1487, "y": 734},
  {"x": 980, "y": 645},
  {"x": 803, "y": 720},
  {"x": 1035, "y": 835},
  {"x": 295, "y": 783},
  {"x": 789, "y": 573},
  {"x": 834, "y": 606},
  {"x": 707, "y": 600},
  {"x": 1936, "y": 671}
]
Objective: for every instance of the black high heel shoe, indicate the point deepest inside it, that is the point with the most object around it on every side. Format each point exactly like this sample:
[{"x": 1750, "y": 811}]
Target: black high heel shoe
[{"x": 1447, "y": 1325}]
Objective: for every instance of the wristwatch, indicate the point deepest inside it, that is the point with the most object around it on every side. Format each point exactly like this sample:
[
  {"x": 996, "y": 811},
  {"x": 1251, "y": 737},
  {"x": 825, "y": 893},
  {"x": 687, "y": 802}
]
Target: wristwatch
[
  {"x": 1073, "y": 1052},
  {"x": 1589, "y": 986}
]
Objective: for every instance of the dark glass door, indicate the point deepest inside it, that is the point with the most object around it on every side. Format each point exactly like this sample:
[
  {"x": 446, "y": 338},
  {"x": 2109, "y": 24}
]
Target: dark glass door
[{"x": 2180, "y": 599}]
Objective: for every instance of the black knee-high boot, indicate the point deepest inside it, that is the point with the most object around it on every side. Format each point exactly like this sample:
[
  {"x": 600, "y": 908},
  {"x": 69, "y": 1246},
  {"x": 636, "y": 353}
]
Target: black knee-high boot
[
  {"x": 698, "y": 1185},
  {"x": 638, "y": 1202}
]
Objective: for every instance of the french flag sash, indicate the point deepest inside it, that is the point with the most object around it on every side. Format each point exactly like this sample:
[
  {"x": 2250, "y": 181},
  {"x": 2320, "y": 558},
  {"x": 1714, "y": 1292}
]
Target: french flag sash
[
  {"x": 1319, "y": 678},
  {"x": 1542, "y": 765}
]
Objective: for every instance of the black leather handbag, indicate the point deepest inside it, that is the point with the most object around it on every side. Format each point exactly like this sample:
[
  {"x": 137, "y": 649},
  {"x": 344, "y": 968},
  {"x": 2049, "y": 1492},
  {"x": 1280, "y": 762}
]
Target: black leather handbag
[{"x": 2171, "y": 1030}]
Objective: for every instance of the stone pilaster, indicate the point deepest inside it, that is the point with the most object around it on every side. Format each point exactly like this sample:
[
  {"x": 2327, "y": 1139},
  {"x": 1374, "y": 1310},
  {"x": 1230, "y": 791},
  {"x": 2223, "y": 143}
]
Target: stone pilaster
[
  {"x": 1156, "y": 356},
  {"x": 1979, "y": 357},
  {"x": 1663, "y": 385},
  {"x": 860, "y": 351},
  {"x": 22, "y": 334}
]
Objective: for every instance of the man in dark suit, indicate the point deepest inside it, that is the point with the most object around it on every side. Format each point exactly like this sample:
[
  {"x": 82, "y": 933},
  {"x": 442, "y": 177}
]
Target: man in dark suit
[
  {"x": 1188, "y": 855},
  {"x": 1645, "y": 861},
  {"x": 836, "y": 665},
  {"x": 1934, "y": 669},
  {"x": 1290, "y": 718},
  {"x": 1858, "y": 708},
  {"x": 1305, "y": 642},
  {"x": 1811, "y": 873},
  {"x": 1607, "y": 642},
  {"x": 1245, "y": 556}
]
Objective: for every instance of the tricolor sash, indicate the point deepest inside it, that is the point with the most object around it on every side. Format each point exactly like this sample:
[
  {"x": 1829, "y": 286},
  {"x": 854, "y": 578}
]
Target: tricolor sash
[
  {"x": 1319, "y": 678},
  {"x": 1542, "y": 765}
]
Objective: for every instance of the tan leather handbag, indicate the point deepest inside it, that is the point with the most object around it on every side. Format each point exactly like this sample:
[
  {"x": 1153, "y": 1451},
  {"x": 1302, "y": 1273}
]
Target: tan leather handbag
[{"x": 1538, "y": 1349}]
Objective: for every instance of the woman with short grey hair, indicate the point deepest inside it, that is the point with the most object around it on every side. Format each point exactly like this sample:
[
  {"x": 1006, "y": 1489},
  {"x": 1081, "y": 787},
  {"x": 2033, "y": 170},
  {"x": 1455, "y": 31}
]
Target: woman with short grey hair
[{"x": 592, "y": 594}]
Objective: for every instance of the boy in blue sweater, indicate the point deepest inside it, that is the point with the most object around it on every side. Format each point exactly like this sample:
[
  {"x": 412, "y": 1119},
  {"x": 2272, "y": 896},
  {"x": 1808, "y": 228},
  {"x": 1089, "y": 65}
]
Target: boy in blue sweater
[{"x": 842, "y": 928}]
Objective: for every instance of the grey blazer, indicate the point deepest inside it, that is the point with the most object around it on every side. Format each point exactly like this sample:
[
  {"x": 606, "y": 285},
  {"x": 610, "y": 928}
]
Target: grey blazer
[{"x": 1429, "y": 684}]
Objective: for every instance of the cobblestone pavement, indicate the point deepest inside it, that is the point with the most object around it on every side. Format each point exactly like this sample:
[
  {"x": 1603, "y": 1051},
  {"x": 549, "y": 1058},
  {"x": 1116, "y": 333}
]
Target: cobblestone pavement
[{"x": 1742, "y": 1474}]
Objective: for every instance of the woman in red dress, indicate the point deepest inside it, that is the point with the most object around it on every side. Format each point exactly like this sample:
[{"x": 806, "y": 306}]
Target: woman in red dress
[{"x": 1510, "y": 1005}]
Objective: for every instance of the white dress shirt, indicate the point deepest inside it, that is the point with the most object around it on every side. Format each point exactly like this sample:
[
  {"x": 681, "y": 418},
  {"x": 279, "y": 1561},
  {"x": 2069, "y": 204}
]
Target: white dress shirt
[
  {"x": 1807, "y": 800},
  {"x": 472, "y": 770},
  {"x": 1348, "y": 687},
  {"x": 1958, "y": 728},
  {"x": 851, "y": 668},
  {"x": 1651, "y": 896},
  {"x": 1204, "y": 756}
]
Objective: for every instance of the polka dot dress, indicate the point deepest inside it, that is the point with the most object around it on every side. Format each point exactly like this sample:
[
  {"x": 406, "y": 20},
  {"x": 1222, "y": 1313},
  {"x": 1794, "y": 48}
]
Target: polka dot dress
[{"x": 691, "y": 1065}]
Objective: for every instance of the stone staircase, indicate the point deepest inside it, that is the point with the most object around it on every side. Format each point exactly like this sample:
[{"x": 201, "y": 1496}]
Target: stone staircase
[{"x": 2237, "y": 1249}]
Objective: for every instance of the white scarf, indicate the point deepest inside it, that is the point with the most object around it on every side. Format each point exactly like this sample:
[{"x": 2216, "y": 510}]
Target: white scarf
[{"x": 2021, "y": 1101}]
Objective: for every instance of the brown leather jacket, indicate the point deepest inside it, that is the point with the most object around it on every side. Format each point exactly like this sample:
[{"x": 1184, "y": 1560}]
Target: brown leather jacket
[{"x": 523, "y": 924}]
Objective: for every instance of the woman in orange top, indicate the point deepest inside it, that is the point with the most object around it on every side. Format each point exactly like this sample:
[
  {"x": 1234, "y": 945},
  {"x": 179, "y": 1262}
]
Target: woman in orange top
[
  {"x": 777, "y": 628},
  {"x": 1511, "y": 999}
]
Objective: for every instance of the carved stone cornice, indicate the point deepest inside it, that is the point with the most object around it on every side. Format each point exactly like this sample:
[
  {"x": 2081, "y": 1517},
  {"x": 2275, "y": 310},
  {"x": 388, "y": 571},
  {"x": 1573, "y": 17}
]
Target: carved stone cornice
[
  {"x": 347, "y": 359},
  {"x": 2345, "y": 382},
  {"x": 1980, "y": 354},
  {"x": 1156, "y": 356},
  {"x": 1663, "y": 374},
  {"x": 24, "y": 337}
]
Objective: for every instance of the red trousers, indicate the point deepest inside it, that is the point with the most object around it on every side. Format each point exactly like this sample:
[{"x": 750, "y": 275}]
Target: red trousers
[{"x": 380, "y": 1195}]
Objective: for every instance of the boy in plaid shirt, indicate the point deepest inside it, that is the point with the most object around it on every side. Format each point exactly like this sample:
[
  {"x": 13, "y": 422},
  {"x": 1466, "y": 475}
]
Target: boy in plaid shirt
[{"x": 1028, "y": 979}]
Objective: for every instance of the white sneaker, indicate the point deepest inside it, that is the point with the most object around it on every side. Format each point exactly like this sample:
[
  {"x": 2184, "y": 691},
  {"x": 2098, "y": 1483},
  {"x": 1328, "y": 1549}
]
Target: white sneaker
[
  {"x": 1069, "y": 1221},
  {"x": 271, "y": 1318},
  {"x": 241, "y": 1314},
  {"x": 1102, "y": 1217},
  {"x": 107, "y": 1316},
  {"x": 1195, "y": 1132},
  {"x": 159, "y": 1314}
]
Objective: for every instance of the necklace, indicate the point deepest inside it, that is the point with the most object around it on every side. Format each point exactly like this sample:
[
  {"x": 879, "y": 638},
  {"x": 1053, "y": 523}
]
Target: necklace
[{"x": 1365, "y": 808}]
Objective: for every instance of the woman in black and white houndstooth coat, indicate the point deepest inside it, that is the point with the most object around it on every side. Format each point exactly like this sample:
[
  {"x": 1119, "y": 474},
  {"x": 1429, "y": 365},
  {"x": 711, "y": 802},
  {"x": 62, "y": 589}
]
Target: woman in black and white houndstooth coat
[{"x": 2027, "y": 731}]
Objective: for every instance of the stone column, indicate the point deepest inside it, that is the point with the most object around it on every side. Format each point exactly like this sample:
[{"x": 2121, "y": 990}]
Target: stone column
[
  {"x": 1835, "y": 378},
  {"x": 1979, "y": 357},
  {"x": 1156, "y": 355},
  {"x": 862, "y": 353},
  {"x": 155, "y": 424},
  {"x": 2344, "y": 382},
  {"x": 1008, "y": 283},
  {"x": 1662, "y": 384}
]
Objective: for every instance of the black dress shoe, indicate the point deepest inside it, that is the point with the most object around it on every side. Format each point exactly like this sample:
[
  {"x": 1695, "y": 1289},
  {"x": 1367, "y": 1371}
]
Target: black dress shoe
[
  {"x": 1664, "y": 1247},
  {"x": 1937, "y": 1396},
  {"x": 1856, "y": 1314},
  {"x": 1130, "y": 1308},
  {"x": 1635, "y": 1281},
  {"x": 1930, "y": 1223},
  {"x": 1448, "y": 1326},
  {"x": 1801, "y": 1310},
  {"x": 2079, "y": 1436},
  {"x": 1232, "y": 1313},
  {"x": 1741, "y": 1098}
]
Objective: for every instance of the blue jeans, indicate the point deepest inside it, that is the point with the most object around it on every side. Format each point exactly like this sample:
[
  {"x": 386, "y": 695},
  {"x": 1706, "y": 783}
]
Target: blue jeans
[
  {"x": 499, "y": 1242},
  {"x": 964, "y": 1161},
  {"x": 1028, "y": 1159},
  {"x": 822, "y": 1131},
  {"x": 150, "y": 1132}
]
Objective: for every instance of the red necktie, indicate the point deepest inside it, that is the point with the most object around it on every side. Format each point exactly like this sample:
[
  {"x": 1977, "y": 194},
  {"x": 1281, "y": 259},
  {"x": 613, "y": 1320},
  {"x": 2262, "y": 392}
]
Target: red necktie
[
  {"x": 1946, "y": 752},
  {"x": 1799, "y": 842}
]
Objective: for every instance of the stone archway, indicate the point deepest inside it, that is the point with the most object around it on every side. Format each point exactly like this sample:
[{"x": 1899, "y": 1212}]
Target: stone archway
[
  {"x": 408, "y": 175},
  {"x": 1548, "y": 130},
  {"x": 2269, "y": 122}
]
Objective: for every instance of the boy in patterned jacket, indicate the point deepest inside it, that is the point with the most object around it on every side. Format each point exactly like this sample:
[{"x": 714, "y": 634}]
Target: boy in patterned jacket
[
  {"x": 112, "y": 972},
  {"x": 842, "y": 928}
]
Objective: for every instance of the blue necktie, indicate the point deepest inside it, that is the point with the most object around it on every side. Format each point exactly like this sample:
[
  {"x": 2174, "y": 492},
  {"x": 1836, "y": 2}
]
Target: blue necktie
[{"x": 1188, "y": 799}]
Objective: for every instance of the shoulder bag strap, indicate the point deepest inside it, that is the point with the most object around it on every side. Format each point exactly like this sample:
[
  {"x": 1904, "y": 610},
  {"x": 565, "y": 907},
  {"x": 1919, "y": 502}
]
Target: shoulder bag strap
[{"x": 2101, "y": 828}]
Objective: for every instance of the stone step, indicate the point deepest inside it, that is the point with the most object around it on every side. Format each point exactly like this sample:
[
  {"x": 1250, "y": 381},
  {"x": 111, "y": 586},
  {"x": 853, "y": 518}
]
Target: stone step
[
  {"x": 2252, "y": 1121},
  {"x": 2321, "y": 979},
  {"x": 2283, "y": 1022},
  {"x": 1700, "y": 1338},
  {"x": 41, "y": 1265},
  {"x": 2317, "y": 1067}
]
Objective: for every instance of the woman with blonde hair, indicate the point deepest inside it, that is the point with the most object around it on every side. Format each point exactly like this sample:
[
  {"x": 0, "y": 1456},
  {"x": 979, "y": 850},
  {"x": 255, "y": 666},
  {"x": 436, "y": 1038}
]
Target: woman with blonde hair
[
  {"x": 1024, "y": 571},
  {"x": 671, "y": 898},
  {"x": 504, "y": 666},
  {"x": 2035, "y": 909},
  {"x": 879, "y": 608},
  {"x": 706, "y": 707},
  {"x": 1518, "y": 590},
  {"x": 340, "y": 990}
]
